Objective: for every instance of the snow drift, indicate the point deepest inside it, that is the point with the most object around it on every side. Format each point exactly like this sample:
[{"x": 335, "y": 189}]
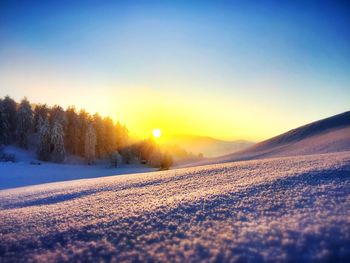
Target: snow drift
[{"x": 294, "y": 209}]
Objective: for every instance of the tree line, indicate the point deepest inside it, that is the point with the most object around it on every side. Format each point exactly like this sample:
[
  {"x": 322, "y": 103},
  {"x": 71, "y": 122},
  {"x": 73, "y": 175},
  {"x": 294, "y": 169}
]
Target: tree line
[{"x": 54, "y": 132}]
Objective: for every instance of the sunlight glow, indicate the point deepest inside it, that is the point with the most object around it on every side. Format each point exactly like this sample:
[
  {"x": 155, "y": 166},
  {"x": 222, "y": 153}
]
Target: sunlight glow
[{"x": 156, "y": 133}]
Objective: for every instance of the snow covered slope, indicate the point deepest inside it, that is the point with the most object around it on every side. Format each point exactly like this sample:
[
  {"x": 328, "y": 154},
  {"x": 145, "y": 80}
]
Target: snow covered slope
[
  {"x": 23, "y": 173},
  {"x": 324, "y": 136},
  {"x": 294, "y": 209}
]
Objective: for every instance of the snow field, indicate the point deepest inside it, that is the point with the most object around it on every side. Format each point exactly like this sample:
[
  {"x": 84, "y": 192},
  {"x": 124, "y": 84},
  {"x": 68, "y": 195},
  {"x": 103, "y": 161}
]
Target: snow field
[{"x": 276, "y": 210}]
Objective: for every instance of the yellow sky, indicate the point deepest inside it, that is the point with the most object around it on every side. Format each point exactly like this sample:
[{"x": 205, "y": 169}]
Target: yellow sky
[
  {"x": 192, "y": 111},
  {"x": 142, "y": 109}
]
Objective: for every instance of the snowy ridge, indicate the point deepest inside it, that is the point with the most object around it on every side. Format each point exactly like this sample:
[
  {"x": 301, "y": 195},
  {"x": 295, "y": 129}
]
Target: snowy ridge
[
  {"x": 282, "y": 209},
  {"x": 324, "y": 136}
]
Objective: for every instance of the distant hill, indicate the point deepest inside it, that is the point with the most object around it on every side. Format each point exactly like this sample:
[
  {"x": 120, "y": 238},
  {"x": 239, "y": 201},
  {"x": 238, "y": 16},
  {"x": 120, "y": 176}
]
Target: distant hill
[
  {"x": 324, "y": 136},
  {"x": 208, "y": 146}
]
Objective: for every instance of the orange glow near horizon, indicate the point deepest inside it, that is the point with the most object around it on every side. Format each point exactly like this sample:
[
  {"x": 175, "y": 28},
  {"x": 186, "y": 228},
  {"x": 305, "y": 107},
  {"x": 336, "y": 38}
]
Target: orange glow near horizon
[{"x": 142, "y": 109}]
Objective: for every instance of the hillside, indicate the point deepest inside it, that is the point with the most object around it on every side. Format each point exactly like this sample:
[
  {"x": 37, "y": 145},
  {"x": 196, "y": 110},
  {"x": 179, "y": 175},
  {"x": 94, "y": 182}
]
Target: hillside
[
  {"x": 254, "y": 211},
  {"x": 208, "y": 146},
  {"x": 324, "y": 136},
  {"x": 26, "y": 171}
]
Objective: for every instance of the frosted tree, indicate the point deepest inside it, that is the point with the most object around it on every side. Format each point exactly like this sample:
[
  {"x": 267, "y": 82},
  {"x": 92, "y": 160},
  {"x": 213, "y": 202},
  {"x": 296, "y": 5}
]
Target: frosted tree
[
  {"x": 8, "y": 112},
  {"x": 98, "y": 125},
  {"x": 83, "y": 119},
  {"x": 24, "y": 123},
  {"x": 40, "y": 111},
  {"x": 58, "y": 114},
  {"x": 43, "y": 150},
  {"x": 90, "y": 144},
  {"x": 72, "y": 131},
  {"x": 4, "y": 125},
  {"x": 109, "y": 136},
  {"x": 121, "y": 136},
  {"x": 57, "y": 141}
]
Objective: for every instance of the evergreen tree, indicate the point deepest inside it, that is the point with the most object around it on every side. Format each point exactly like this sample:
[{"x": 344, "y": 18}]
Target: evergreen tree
[
  {"x": 57, "y": 130},
  {"x": 24, "y": 123},
  {"x": 90, "y": 144},
  {"x": 57, "y": 141},
  {"x": 109, "y": 136},
  {"x": 40, "y": 111},
  {"x": 9, "y": 120},
  {"x": 83, "y": 124},
  {"x": 98, "y": 125},
  {"x": 125, "y": 137},
  {"x": 57, "y": 114},
  {"x": 43, "y": 150},
  {"x": 122, "y": 134},
  {"x": 4, "y": 125},
  {"x": 72, "y": 132}
]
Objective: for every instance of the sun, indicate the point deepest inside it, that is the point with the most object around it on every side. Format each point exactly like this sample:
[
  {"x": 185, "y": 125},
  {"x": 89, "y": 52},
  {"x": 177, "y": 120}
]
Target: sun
[{"x": 156, "y": 133}]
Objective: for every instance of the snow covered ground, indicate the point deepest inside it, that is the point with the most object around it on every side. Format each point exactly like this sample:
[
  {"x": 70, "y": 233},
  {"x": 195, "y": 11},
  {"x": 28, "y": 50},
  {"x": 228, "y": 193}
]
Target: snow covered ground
[
  {"x": 23, "y": 173},
  {"x": 329, "y": 141},
  {"x": 292, "y": 209}
]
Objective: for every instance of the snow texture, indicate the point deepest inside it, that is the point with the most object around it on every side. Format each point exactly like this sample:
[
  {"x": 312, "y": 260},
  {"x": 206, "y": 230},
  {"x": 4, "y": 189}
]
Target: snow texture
[{"x": 294, "y": 209}]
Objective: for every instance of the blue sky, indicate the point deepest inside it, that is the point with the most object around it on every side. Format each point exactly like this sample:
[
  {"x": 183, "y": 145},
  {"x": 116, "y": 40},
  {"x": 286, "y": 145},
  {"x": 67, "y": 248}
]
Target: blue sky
[{"x": 228, "y": 69}]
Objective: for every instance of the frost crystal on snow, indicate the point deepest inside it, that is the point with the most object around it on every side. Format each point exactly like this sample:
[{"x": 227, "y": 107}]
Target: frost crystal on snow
[{"x": 293, "y": 209}]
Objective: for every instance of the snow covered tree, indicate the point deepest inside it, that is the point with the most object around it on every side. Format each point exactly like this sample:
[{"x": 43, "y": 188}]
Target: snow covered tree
[
  {"x": 72, "y": 131},
  {"x": 83, "y": 119},
  {"x": 98, "y": 125},
  {"x": 57, "y": 114},
  {"x": 24, "y": 123},
  {"x": 122, "y": 135},
  {"x": 40, "y": 111},
  {"x": 3, "y": 124},
  {"x": 57, "y": 141},
  {"x": 8, "y": 120},
  {"x": 109, "y": 136},
  {"x": 44, "y": 145},
  {"x": 90, "y": 144}
]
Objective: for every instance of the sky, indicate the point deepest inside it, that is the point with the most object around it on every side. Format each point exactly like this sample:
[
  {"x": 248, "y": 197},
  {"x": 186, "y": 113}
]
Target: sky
[{"x": 226, "y": 69}]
